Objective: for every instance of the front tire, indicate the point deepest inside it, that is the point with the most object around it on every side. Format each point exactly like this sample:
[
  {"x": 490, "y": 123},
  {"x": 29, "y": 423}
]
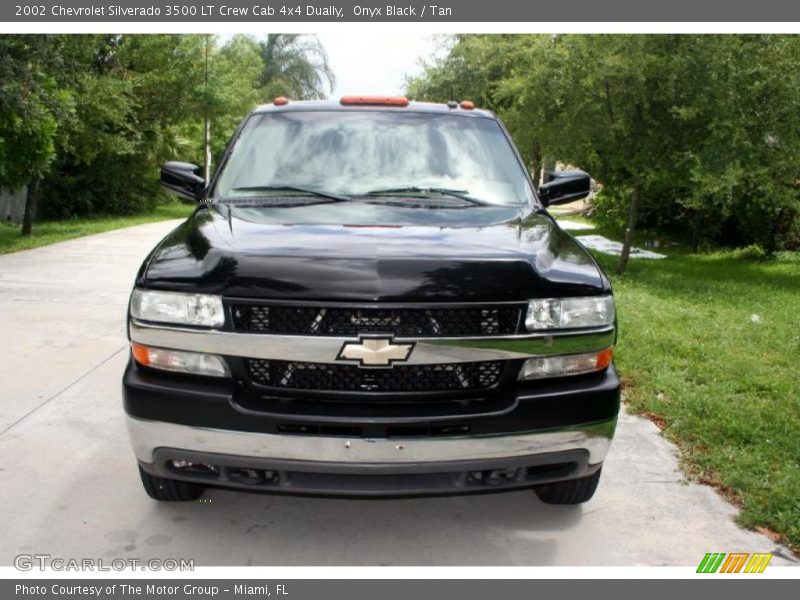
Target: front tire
[
  {"x": 574, "y": 491},
  {"x": 170, "y": 490}
]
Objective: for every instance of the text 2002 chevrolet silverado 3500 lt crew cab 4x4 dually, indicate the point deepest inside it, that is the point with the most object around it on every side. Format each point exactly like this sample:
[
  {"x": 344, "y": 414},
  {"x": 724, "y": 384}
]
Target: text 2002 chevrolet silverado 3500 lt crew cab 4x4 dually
[{"x": 370, "y": 299}]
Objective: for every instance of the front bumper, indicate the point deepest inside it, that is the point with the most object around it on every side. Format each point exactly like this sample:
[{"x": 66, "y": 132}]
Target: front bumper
[
  {"x": 368, "y": 467},
  {"x": 548, "y": 431},
  {"x": 223, "y": 404}
]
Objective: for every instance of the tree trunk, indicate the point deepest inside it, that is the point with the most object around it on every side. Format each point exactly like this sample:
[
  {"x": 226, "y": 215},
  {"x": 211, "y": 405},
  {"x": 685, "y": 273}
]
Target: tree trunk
[
  {"x": 633, "y": 212},
  {"x": 206, "y": 122},
  {"x": 548, "y": 164},
  {"x": 536, "y": 167},
  {"x": 697, "y": 229},
  {"x": 31, "y": 202}
]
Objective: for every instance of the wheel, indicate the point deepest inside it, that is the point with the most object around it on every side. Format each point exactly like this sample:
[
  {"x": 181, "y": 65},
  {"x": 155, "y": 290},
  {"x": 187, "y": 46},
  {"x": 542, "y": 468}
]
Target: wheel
[
  {"x": 574, "y": 491},
  {"x": 170, "y": 490}
]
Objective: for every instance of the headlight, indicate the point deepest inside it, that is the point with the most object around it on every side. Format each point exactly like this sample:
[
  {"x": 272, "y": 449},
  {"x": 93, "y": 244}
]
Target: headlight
[
  {"x": 175, "y": 307},
  {"x": 179, "y": 361},
  {"x": 561, "y": 366},
  {"x": 569, "y": 313}
]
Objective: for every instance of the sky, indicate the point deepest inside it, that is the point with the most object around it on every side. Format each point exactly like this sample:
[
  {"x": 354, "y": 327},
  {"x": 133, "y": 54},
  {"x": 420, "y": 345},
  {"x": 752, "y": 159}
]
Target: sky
[{"x": 375, "y": 64}]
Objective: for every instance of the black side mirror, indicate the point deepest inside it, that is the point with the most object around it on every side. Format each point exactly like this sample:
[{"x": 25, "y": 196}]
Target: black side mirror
[
  {"x": 183, "y": 179},
  {"x": 565, "y": 186}
]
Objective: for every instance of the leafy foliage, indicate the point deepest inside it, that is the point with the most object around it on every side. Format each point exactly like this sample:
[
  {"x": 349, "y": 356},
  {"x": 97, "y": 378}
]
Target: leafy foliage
[
  {"x": 96, "y": 115},
  {"x": 704, "y": 128},
  {"x": 295, "y": 66},
  {"x": 31, "y": 105}
]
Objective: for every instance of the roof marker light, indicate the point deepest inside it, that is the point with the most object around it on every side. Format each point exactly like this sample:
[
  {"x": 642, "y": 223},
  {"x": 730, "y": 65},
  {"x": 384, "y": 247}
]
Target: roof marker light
[
  {"x": 374, "y": 100},
  {"x": 281, "y": 101},
  {"x": 467, "y": 104}
]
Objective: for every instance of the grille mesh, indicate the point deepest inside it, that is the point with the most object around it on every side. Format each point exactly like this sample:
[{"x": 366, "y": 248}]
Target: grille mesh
[
  {"x": 351, "y": 378},
  {"x": 403, "y": 322}
]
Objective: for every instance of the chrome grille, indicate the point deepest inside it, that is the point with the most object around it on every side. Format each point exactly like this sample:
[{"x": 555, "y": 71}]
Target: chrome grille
[
  {"x": 416, "y": 322},
  {"x": 351, "y": 378}
]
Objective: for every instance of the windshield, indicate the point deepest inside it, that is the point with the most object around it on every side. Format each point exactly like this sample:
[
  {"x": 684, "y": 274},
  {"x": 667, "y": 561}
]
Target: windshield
[{"x": 376, "y": 153}]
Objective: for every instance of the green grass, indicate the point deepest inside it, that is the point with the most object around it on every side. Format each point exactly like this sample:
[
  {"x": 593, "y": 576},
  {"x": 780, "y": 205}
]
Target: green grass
[
  {"x": 577, "y": 219},
  {"x": 49, "y": 232},
  {"x": 723, "y": 383}
]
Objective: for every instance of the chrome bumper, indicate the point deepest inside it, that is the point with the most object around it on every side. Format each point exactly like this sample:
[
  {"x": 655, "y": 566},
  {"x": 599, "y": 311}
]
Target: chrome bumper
[
  {"x": 147, "y": 436},
  {"x": 327, "y": 349}
]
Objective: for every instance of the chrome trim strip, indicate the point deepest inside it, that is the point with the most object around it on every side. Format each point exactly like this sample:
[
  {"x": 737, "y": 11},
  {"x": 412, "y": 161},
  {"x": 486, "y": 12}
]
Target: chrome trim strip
[
  {"x": 325, "y": 349},
  {"x": 146, "y": 436},
  {"x": 522, "y": 305}
]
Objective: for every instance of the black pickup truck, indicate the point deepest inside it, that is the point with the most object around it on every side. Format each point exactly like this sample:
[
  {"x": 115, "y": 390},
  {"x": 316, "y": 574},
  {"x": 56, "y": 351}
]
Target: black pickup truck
[{"x": 371, "y": 300}]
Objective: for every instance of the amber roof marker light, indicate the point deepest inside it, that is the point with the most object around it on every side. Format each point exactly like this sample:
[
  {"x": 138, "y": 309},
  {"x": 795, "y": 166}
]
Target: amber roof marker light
[
  {"x": 281, "y": 101},
  {"x": 399, "y": 101},
  {"x": 467, "y": 104}
]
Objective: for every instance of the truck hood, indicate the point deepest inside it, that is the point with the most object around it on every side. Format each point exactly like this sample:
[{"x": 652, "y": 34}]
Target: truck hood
[{"x": 372, "y": 252}]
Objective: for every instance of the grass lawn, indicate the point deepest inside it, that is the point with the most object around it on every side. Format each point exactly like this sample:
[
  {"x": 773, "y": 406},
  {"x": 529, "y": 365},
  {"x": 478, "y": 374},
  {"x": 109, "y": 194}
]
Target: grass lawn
[
  {"x": 49, "y": 232},
  {"x": 708, "y": 348}
]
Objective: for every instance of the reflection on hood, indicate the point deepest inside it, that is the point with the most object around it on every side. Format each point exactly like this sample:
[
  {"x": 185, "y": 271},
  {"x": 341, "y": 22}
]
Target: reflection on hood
[{"x": 373, "y": 252}]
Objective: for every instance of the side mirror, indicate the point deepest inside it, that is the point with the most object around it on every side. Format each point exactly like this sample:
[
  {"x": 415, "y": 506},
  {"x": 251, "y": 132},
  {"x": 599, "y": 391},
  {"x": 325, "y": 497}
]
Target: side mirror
[
  {"x": 182, "y": 179},
  {"x": 565, "y": 186}
]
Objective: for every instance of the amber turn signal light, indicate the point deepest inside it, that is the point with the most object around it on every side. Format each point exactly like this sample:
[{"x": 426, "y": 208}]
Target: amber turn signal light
[
  {"x": 604, "y": 359},
  {"x": 140, "y": 353}
]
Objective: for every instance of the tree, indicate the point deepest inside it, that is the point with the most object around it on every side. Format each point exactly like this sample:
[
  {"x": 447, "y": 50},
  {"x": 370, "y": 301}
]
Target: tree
[
  {"x": 593, "y": 101},
  {"x": 615, "y": 94},
  {"x": 86, "y": 121},
  {"x": 141, "y": 100},
  {"x": 31, "y": 106},
  {"x": 686, "y": 133},
  {"x": 133, "y": 96},
  {"x": 235, "y": 87},
  {"x": 491, "y": 71},
  {"x": 296, "y": 66},
  {"x": 741, "y": 138}
]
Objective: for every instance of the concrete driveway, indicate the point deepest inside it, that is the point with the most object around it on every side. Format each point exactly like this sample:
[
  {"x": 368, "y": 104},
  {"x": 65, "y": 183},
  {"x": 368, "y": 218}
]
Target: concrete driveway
[{"x": 70, "y": 486}]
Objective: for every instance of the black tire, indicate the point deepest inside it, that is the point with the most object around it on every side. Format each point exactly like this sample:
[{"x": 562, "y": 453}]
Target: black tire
[
  {"x": 170, "y": 490},
  {"x": 574, "y": 491}
]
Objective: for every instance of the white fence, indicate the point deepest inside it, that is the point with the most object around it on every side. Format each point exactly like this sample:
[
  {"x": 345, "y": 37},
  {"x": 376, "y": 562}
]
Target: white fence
[{"x": 12, "y": 205}]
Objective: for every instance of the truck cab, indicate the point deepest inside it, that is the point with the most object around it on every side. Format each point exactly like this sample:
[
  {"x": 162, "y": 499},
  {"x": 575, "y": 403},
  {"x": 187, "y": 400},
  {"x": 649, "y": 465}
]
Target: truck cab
[{"x": 371, "y": 299}]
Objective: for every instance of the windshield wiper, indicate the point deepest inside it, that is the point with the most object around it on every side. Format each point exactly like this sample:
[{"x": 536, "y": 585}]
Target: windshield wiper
[
  {"x": 292, "y": 188},
  {"x": 419, "y": 189}
]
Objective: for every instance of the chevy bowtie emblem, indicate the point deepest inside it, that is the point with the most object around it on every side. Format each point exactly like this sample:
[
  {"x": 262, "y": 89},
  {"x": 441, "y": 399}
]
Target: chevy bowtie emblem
[{"x": 375, "y": 351}]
